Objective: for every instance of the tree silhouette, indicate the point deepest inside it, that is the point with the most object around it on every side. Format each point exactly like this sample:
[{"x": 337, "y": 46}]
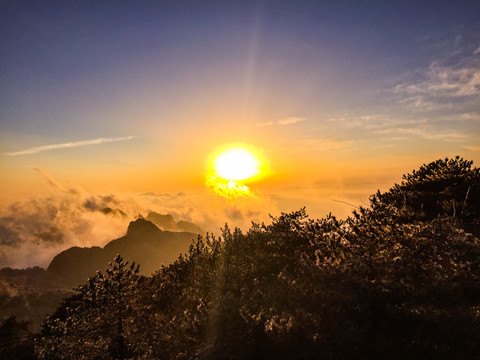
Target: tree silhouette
[
  {"x": 16, "y": 341},
  {"x": 99, "y": 321}
]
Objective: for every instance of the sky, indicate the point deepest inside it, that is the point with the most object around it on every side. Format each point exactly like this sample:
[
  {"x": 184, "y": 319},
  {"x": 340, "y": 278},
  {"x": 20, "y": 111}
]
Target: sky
[{"x": 127, "y": 98}]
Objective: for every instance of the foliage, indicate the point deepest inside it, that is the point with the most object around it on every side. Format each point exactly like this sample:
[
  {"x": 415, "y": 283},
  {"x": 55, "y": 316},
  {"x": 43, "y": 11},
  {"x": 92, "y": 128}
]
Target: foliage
[
  {"x": 98, "y": 321},
  {"x": 16, "y": 341},
  {"x": 398, "y": 279},
  {"x": 443, "y": 188}
]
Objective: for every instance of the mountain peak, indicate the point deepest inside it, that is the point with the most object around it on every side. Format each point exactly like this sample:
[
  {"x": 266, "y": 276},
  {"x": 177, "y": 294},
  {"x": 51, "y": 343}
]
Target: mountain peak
[
  {"x": 142, "y": 227},
  {"x": 166, "y": 222}
]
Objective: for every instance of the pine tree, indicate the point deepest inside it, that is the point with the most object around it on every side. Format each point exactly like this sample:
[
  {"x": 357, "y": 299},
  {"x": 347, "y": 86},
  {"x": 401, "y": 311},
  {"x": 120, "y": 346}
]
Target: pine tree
[{"x": 99, "y": 321}]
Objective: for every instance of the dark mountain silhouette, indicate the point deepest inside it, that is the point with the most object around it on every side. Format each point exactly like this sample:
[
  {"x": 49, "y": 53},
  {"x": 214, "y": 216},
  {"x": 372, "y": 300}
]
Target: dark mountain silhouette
[
  {"x": 144, "y": 243},
  {"x": 167, "y": 222},
  {"x": 162, "y": 221},
  {"x": 189, "y": 227}
]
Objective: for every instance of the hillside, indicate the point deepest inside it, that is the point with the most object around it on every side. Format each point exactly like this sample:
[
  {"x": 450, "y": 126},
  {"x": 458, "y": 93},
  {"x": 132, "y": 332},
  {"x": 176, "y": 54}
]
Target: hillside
[{"x": 30, "y": 294}]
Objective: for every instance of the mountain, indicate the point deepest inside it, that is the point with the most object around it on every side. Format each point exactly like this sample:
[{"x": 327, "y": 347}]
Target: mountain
[
  {"x": 144, "y": 244},
  {"x": 164, "y": 222},
  {"x": 167, "y": 222}
]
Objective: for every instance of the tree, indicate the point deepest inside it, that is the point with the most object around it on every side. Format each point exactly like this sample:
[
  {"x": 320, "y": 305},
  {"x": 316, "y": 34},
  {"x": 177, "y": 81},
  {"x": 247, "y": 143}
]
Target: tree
[
  {"x": 16, "y": 341},
  {"x": 99, "y": 321}
]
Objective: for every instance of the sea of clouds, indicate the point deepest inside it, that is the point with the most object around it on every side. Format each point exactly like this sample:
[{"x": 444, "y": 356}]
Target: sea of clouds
[{"x": 34, "y": 230}]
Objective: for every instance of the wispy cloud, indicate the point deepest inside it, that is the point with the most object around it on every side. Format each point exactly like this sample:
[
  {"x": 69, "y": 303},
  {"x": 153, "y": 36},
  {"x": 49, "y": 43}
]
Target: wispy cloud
[
  {"x": 72, "y": 144},
  {"x": 445, "y": 81},
  {"x": 290, "y": 120},
  {"x": 470, "y": 116},
  {"x": 285, "y": 121},
  {"x": 49, "y": 178},
  {"x": 263, "y": 124},
  {"x": 450, "y": 85},
  {"x": 421, "y": 103},
  {"x": 368, "y": 123},
  {"x": 428, "y": 133},
  {"x": 456, "y": 128}
]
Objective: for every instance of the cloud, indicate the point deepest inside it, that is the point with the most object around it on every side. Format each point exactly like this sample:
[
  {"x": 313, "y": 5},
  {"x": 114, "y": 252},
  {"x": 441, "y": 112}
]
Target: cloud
[
  {"x": 33, "y": 230},
  {"x": 263, "y": 124},
  {"x": 445, "y": 81},
  {"x": 73, "y": 144},
  {"x": 428, "y": 133},
  {"x": 49, "y": 178},
  {"x": 448, "y": 87},
  {"x": 477, "y": 51},
  {"x": 369, "y": 123},
  {"x": 471, "y": 116},
  {"x": 448, "y": 127},
  {"x": 421, "y": 103},
  {"x": 285, "y": 121},
  {"x": 290, "y": 120}
]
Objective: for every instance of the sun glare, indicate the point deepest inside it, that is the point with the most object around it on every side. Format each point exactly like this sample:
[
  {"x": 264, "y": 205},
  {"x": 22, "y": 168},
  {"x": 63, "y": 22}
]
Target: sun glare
[
  {"x": 236, "y": 164},
  {"x": 230, "y": 166}
]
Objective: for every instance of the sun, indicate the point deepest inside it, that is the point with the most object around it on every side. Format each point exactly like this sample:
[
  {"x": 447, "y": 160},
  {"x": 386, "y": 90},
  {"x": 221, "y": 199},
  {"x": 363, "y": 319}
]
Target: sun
[
  {"x": 237, "y": 163},
  {"x": 232, "y": 165}
]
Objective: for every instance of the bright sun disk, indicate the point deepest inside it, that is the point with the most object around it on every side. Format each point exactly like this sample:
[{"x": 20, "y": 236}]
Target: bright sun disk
[
  {"x": 236, "y": 164},
  {"x": 232, "y": 165}
]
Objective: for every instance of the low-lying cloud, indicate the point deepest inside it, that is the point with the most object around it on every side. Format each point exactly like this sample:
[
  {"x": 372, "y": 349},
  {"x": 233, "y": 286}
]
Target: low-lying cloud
[{"x": 32, "y": 231}]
